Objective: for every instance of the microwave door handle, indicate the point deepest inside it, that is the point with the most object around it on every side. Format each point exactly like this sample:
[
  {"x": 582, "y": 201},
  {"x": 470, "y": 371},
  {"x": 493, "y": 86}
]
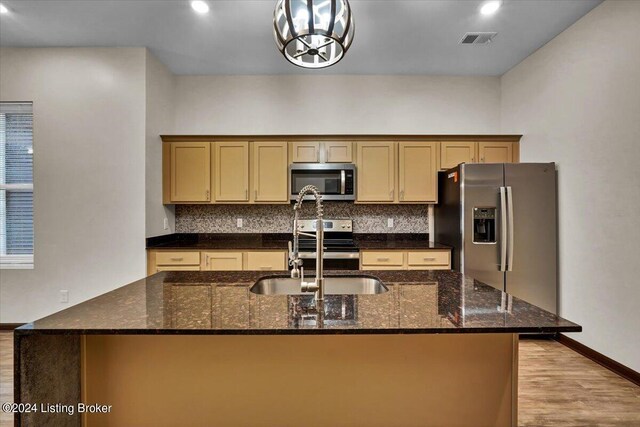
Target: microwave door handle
[
  {"x": 343, "y": 181},
  {"x": 503, "y": 230},
  {"x": 510, "y": 232}
]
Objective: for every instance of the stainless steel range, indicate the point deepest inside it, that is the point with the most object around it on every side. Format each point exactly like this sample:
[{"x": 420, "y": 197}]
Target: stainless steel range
[{"x": 340, "y": 251}]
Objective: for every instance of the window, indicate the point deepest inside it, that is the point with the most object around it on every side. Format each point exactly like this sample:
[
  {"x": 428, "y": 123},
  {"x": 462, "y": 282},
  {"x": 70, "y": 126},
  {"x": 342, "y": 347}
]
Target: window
[{"x": 16, "y": 185}]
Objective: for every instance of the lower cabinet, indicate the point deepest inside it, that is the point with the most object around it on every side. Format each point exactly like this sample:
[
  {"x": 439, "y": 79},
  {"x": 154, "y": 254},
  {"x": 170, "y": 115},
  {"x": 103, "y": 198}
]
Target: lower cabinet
[
  {"x": 161, "y": 260},
  {"x": 431, "y": 259}
]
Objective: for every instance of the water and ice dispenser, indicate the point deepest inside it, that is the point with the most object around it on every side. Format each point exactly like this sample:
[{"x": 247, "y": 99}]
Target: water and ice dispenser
[{"x": 484, "y": 225}]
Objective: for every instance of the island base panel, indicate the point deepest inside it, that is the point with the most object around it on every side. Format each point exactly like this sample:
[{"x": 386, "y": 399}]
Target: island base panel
[{"x": 312, "y": 380}]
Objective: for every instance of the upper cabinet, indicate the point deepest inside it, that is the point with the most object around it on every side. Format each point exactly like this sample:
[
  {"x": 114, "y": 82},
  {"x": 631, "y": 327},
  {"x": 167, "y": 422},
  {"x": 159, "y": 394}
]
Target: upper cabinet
[
  {"x": 495, "y": 152},
  {"x": 270, "y": 172},
  {"x": 321, "y": 152},
  {"x": 376, "y": 171},
  {"x": 190, "y": 176},
  {"x": 402, "y": 171},
  {"x": 452, "y": 153},
  {"x": 231, "y": 171},
  {"x": 417, "y": 172}
]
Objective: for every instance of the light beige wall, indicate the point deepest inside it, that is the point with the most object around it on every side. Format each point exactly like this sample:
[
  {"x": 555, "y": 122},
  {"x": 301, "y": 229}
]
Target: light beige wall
[
  {"x": 342, "y": 104},
  {"x": 89, "y": 173},
  {"x": 577, "y": 102},
  {"x": 160, "y": 88}
]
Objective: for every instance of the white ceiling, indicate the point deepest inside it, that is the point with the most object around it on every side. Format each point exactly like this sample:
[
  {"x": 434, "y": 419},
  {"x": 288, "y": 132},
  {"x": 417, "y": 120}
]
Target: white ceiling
[{"x": 392, "y": 37}]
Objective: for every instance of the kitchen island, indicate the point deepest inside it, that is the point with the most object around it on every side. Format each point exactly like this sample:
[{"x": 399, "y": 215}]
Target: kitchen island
[{"x": 199, "y": 348}]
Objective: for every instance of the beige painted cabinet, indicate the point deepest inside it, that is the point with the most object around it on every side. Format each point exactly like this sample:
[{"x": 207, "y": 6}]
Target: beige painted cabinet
[
  {"x": 270, "y": 172},
  {"x": 231, "y": 171},
  {"x": 452, "y": 153},
  {"x": 495, "y": 152},
  {"x": 431, "y": 259},
  {"x": 376, "y": 163},
  {"x": 221, "y": 261},
  {"x": 417, "y": 172},
  {"x": 322, "y": 152},
  {"x": 265, "y": 260},
  {"x": 305, "y": 152},
  {"x": 190, "y": 172}
]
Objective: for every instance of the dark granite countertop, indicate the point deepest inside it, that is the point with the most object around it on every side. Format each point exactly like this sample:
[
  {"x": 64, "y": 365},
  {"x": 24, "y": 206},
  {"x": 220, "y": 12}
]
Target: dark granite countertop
[
  {"x": 224, "y": 241},
  {"x": 427, "y": 302}
]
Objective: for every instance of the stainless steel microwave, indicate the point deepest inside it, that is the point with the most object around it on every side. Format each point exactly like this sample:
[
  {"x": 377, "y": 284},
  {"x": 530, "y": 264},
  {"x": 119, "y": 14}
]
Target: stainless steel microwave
[{"x": 335, "y": 181}]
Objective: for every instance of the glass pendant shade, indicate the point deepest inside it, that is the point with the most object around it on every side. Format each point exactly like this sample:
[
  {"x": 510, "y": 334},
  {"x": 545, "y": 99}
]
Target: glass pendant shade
[{"x": 313, "y": 33}]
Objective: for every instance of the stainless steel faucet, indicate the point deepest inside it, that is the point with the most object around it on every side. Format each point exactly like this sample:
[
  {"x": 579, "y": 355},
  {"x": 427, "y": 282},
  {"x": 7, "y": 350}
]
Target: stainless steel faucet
[{"x": 297, "y": 271}]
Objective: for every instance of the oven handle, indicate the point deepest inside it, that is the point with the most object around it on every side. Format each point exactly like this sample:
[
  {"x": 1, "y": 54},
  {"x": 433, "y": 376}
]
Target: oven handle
[
  {"x": 343, "y": 181},
  {"x": 330, "y": 255}
]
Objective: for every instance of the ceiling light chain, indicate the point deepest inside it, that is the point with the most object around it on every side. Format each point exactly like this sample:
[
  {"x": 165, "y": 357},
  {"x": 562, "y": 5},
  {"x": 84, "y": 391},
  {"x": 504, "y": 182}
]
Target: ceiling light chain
[{"x": 313, "y": 33}]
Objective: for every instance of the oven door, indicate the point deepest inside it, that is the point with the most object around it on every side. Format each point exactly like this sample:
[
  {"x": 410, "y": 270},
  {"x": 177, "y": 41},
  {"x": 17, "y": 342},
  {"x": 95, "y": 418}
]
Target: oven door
[
  {"x": 332, "y": 261},
  {"x": 334, "y": 181}
]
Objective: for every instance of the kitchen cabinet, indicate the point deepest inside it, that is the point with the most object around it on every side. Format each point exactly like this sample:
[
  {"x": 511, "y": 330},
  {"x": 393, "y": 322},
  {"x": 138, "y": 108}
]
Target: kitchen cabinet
[
  {"x": 338, "y": 152},
  {"x": 376, "y": 163},
  {"x": 417, "y": 172},
  {"x": 270, "y": 172},
  {"x": 190, "y": 172},
  {"x": 452, "y": 153},
  {"x": 265, "y": 260},
  {"x": 321, "y": 152},
  {"x": 231, "y": 171},
  {"x": 173, "y": 261},
  {"x": 431, "y": 259},
  {"x": 221, "y": 261},
  {"x": 418, "y": 306},
  {"x": 232, "y": 306},
  {"x": 190, "y": 307},
  {"x": 305, "y": 152},
  {"x": 495, "y": 152}
]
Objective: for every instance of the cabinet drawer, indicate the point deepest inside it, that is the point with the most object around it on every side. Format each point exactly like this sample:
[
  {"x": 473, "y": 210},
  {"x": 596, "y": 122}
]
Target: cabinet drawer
[
  {"x": 177, "y": 258},
  {"x": 222, "y": 261},
  {"x": 428, "y": 258},
  {"x": 383, "y": 258},
  {"x": 178, "y": 268},
  {"x": 265, "y": 261}
]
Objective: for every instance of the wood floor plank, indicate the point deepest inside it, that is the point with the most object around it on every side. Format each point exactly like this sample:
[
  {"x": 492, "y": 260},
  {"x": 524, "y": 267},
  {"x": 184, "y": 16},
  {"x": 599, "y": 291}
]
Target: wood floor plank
[{"x": 557, "y": 388}]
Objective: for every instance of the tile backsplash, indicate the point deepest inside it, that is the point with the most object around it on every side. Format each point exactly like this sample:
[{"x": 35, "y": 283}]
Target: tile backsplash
[{"x": 278, "y": 218}]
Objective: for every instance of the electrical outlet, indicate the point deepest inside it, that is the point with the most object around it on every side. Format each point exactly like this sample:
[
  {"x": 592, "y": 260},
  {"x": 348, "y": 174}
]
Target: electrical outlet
[
  {"x": 239, "y": 223},
  {"x": 64, "y": 296},
  {"x": 390, "y": 222},
  {"x": 166, "y": 223}
]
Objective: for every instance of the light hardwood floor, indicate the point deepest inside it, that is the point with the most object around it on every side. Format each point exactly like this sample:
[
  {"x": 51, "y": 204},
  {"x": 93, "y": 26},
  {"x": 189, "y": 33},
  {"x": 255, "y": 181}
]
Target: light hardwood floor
[{"x": 557, "y": 387}]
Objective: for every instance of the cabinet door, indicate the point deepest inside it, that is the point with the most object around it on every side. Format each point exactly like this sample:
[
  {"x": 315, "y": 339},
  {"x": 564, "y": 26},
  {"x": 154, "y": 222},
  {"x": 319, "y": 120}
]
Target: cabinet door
[
  {"x": 417, "y": 172},
  {"x": 231, "y": 171},
  {"x": 305, "y": 152},
  {"x": 339, "y": 152},
  {"x": 429, "y": 260},
  {"x": 376, "y": 171},
  {"x": 266, "y": 260},
  {"x": 495, "y": 152},
  {"x": 270, "y": 172},
  {"x": 190, "y": 172},
  {"x": 222, "y": 261},
  {"x": 453, "y": 153}
]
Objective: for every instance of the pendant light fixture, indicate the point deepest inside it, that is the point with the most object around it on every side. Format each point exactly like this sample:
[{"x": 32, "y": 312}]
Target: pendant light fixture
[{"x": 313, "y": 33}]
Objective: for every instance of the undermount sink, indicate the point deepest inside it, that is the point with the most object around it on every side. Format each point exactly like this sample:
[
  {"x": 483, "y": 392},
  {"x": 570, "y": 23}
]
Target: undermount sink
[{"x": 350, "y": 285}]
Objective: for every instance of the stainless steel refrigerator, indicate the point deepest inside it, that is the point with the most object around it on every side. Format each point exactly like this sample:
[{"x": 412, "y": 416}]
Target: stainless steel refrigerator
[{"x": 501, "y": 220}]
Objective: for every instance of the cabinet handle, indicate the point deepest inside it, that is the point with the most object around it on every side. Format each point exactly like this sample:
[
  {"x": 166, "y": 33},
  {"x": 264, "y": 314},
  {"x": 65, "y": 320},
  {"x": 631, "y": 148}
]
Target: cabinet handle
[
  {"x": 383, "y": 259},
  {"x": 177, "y": 259},
  {"x": 482, "y": 159},
  {"x": 255, "y": 194},
  {"x": 207, "y": 194},
  {"x": 246, "y": 194},
  {"x": 402, "y": 195},
  {"x": 206, "y": 258},
  {"x": 391, "y": 194},
  {"x": 429, "y": 259},
  {"x": 265, "y": 267}
]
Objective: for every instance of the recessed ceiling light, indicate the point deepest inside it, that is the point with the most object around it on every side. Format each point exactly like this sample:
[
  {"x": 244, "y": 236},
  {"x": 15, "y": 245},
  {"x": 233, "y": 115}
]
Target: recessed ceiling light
[
  {"x": 3, "y": 9},
  {"x": 490, "y": 7},
  {"x": 200, "y": 6}
]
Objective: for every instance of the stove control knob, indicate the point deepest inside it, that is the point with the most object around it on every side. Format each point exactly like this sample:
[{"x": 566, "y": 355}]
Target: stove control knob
[{"x": 344, "y": 226}]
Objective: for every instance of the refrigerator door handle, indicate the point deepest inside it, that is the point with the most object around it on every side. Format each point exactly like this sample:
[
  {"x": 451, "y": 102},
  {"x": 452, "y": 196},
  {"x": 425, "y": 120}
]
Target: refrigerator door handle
[
  {"x": 503, "y": 229},
  {"x": 510, "y": 232}
]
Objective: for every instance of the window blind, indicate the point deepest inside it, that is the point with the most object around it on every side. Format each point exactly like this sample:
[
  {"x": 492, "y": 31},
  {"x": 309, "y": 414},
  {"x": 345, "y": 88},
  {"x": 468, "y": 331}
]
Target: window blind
[{"x": 16, "y": 185}]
